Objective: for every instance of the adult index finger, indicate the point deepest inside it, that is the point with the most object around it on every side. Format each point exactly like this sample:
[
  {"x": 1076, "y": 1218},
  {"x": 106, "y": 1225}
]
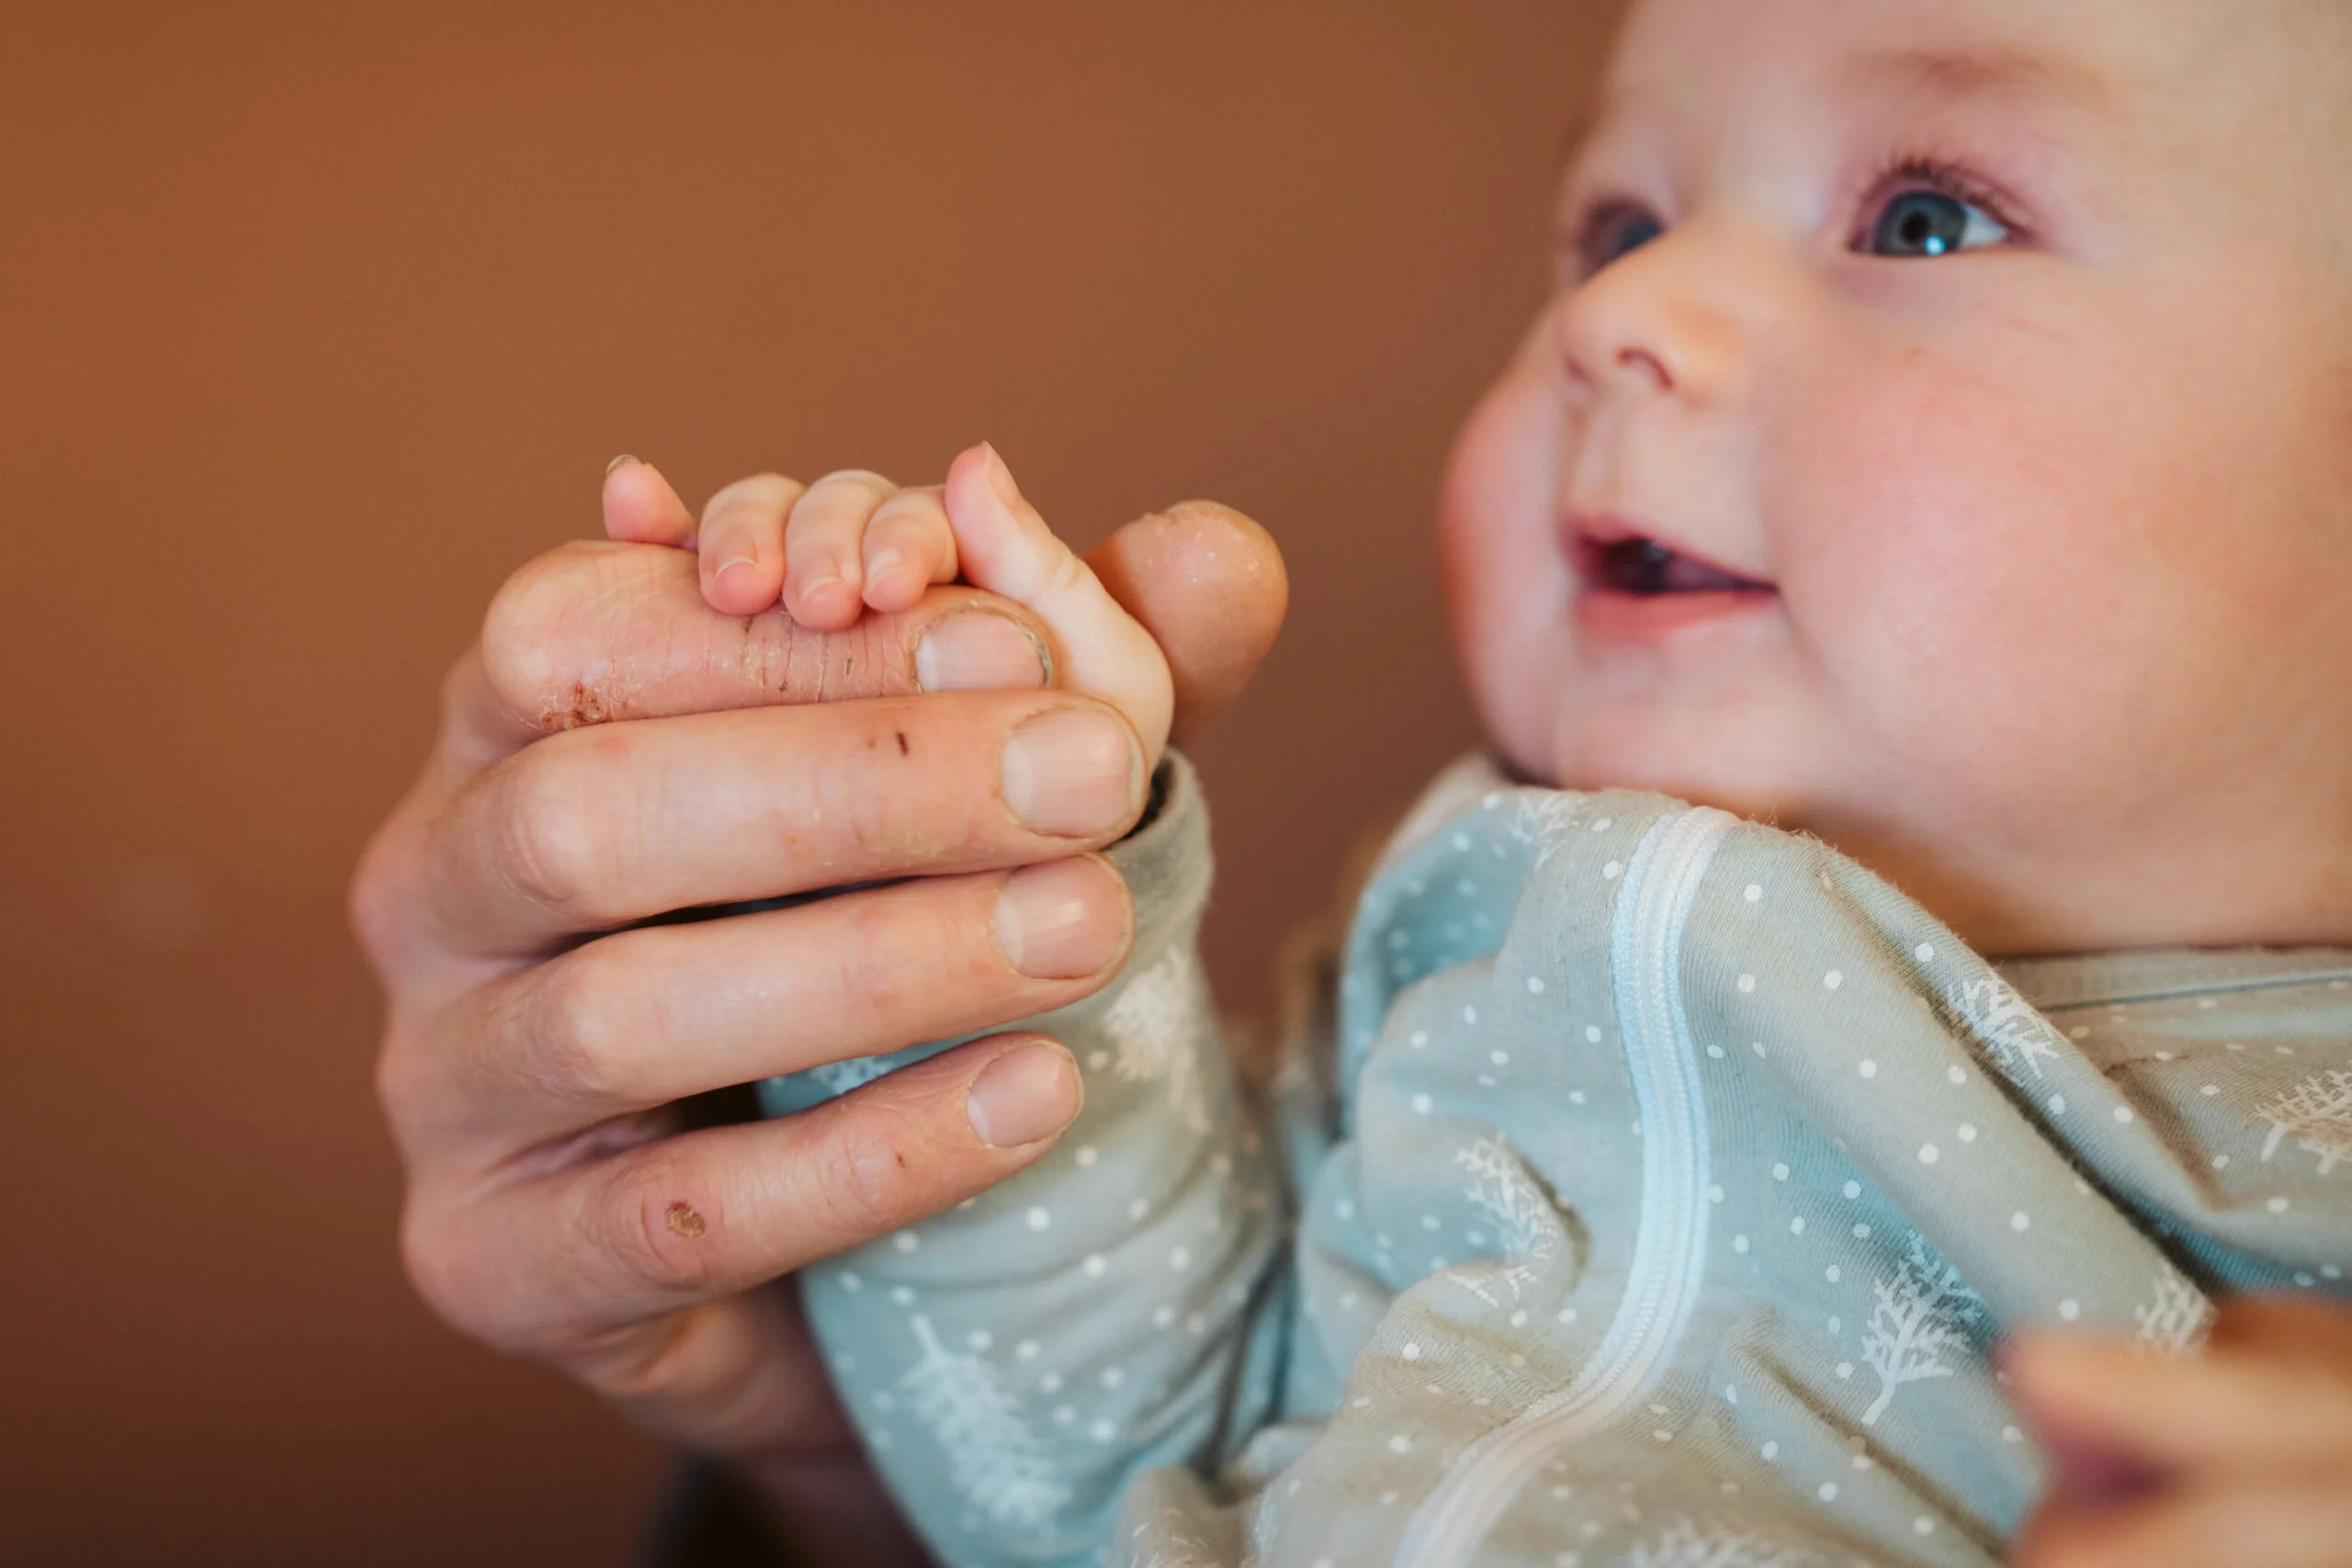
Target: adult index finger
[
  {"x": 658, "y": 1013},
  {"x": 590, "y": 829},
  {"x": 592, "y": 631}
]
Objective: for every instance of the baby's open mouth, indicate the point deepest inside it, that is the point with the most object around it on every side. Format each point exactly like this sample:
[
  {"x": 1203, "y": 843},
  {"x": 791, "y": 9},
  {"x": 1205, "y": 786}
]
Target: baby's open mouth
[
  {"x": 1638, "y": 587},
  {"x": 1645, "y": 565},
  {"x": 1637, "y": 564}
]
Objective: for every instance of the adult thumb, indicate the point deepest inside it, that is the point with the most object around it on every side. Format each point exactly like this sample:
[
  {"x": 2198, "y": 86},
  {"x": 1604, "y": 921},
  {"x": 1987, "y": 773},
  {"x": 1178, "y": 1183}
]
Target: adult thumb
[{"x": 1208, "y": 584}]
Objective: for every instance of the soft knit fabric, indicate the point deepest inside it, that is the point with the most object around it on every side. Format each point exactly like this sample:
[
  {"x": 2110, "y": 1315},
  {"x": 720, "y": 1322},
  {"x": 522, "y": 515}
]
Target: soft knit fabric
[{"x": 1652, "y": 1193}]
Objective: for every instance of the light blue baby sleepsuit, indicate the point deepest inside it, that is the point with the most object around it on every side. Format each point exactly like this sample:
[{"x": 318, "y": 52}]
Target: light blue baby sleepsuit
[{"x": 1641, "y": 1186}]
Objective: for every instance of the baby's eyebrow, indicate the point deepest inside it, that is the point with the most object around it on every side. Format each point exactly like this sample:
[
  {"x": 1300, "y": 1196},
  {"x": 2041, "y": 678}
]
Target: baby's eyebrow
[
  {"x": 1575, "y": 134},
  {"x": 1992, "y": 71}
]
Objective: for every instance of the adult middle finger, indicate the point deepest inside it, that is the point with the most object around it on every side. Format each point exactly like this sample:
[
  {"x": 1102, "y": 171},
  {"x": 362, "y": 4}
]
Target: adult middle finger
[
  {"x": 643, "y": 1017},
  {"x": 593, "y": 828}
]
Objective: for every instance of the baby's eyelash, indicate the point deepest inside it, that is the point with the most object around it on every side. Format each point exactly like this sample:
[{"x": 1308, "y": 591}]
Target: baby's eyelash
[
  {"x": 1587, "y": 234},
  {"x": 1916, "y": 171},
  {"x": 1591, "y": 226}
]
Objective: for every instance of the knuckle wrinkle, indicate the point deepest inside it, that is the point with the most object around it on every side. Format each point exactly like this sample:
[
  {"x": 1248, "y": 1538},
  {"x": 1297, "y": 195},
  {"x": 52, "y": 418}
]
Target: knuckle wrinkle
[
  {"x": 866, "y": 1176},
  {"x": 568, "y": 1031},
  {"x": 542, "y": 838}
]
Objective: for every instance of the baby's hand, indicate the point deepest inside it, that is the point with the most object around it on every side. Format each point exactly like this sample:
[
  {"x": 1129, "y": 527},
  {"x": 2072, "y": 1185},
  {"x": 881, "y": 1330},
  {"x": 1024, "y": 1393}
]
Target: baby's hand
[
  {"x": 2242, "y": 1454},
  {"x": 855, "y": 541}
]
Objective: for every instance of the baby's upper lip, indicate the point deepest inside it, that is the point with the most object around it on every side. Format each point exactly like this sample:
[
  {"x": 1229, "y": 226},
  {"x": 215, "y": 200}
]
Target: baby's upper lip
[{"x": 1591, "y": 535}]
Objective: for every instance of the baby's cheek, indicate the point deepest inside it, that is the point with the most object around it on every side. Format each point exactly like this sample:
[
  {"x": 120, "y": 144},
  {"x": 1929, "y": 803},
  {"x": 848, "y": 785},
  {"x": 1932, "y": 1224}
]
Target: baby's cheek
[
  {"x": 1508, "y": 580},
  {"x": 1949, "y": 547}
]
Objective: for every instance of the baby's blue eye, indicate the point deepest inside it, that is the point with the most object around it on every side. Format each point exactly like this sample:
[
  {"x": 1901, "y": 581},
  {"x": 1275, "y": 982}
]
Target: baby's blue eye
[
  {"x": 1617, "y": 234},
  {"x": 1929, "y": 223}
]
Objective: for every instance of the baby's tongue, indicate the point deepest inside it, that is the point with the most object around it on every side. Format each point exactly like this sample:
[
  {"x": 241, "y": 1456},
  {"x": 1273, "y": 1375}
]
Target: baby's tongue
[{"x": 1684, "y": 575}]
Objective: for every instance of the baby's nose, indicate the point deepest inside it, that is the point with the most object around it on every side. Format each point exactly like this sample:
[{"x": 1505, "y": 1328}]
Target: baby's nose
[
  {"x": 1651, "y": 325},
  {"x": 1641, "y": 361}
]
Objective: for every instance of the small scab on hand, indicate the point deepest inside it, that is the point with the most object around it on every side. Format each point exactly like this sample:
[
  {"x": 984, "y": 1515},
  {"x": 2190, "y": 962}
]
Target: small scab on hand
[
  {"x": 684, "y": 1220},
  {"x": 585, "y": 705}
]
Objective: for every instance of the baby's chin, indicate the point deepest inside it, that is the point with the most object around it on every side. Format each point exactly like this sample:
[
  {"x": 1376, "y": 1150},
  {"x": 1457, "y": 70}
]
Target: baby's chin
[{"x": 1752, "y": 758}]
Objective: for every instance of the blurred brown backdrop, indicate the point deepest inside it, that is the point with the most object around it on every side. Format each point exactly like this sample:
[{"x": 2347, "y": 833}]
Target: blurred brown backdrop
[{"x": 315, "y": 321}]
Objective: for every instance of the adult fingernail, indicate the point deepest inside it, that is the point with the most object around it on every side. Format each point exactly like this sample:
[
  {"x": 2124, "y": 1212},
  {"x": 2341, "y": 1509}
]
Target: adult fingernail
[
  {"x": 622, "y": 461},
  {"x": 1028, "y": 1093},
  {"x": 1000, "y": 478},
  {"x": 978, "y": 651},
  {"x": 1062, "y": 919},
  {"x": 1075, "y": 773}
]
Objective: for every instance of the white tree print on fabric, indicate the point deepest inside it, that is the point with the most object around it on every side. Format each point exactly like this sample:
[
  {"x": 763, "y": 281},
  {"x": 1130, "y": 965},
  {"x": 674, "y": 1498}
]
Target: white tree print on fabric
[
  {"x": 1923, "y": 1313},
  {"x": 1265, "y": 1526},
  {"x": 840, "y": 1078},
  {"x": 1544, "y": 821},
  {"x": 2173, "y": 1319},
  {"x": 1160, "y": 1026},
  {"x": 1705, "y": 1543},
  {"x": 1528, "y": 1231},
  {"x": 994, "y": 1460},
  {"x": 2316, "y": 1114},
  {"x": 2014, "y": 1036}
]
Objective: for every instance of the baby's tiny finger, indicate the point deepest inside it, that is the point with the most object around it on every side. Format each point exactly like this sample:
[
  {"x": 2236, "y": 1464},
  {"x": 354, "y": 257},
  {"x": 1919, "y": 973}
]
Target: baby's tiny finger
[
  {"x": 824, "y": 563},
  {"x": 641, "y": 509},
  {"x": 908, "y": 546},
  {"x": 742, "y": 544},
  {"x": 1005, "y": 547}
]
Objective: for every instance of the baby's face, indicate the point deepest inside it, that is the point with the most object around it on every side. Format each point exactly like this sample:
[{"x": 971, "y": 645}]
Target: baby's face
[{"x": 1941, "y": 441}]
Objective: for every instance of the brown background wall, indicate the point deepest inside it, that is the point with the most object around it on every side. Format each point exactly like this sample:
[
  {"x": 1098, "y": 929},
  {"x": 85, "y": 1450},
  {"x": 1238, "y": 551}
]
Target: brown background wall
[{"x": 315, "y": 321}]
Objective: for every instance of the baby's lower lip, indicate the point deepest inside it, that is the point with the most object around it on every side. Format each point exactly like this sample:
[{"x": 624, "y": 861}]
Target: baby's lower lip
[{"x": 1609, "y": 614}]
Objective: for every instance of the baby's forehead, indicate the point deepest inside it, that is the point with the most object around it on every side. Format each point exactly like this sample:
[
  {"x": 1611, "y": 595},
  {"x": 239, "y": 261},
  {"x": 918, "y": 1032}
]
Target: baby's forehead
[
  {"x": 2251, "y": 97},
  {"x": 2122, "y": 56}
]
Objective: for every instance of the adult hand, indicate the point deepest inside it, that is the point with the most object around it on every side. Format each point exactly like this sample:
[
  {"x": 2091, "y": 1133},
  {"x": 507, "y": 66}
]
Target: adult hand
[
  {"x": 537, "y": 1039},
  {"x": 1206, "y": 583},
  {"x": 2239, "y": 1454}
]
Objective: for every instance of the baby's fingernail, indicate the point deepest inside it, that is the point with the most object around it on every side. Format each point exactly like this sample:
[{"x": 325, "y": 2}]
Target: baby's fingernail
[
  {"x": 1073, "y": 773},
  {"x": 622, "y": 461},
  {"x": 886, "y": 561},
  {"x": 1030, "y": 1092},
  {"x": 1000, "y": 478},
  {"x": 977, "y": 651},
  {"x": 825, "y": 593},
  {"x": 1062, "y": 919},
  {"x": 734, "y": 566}
]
